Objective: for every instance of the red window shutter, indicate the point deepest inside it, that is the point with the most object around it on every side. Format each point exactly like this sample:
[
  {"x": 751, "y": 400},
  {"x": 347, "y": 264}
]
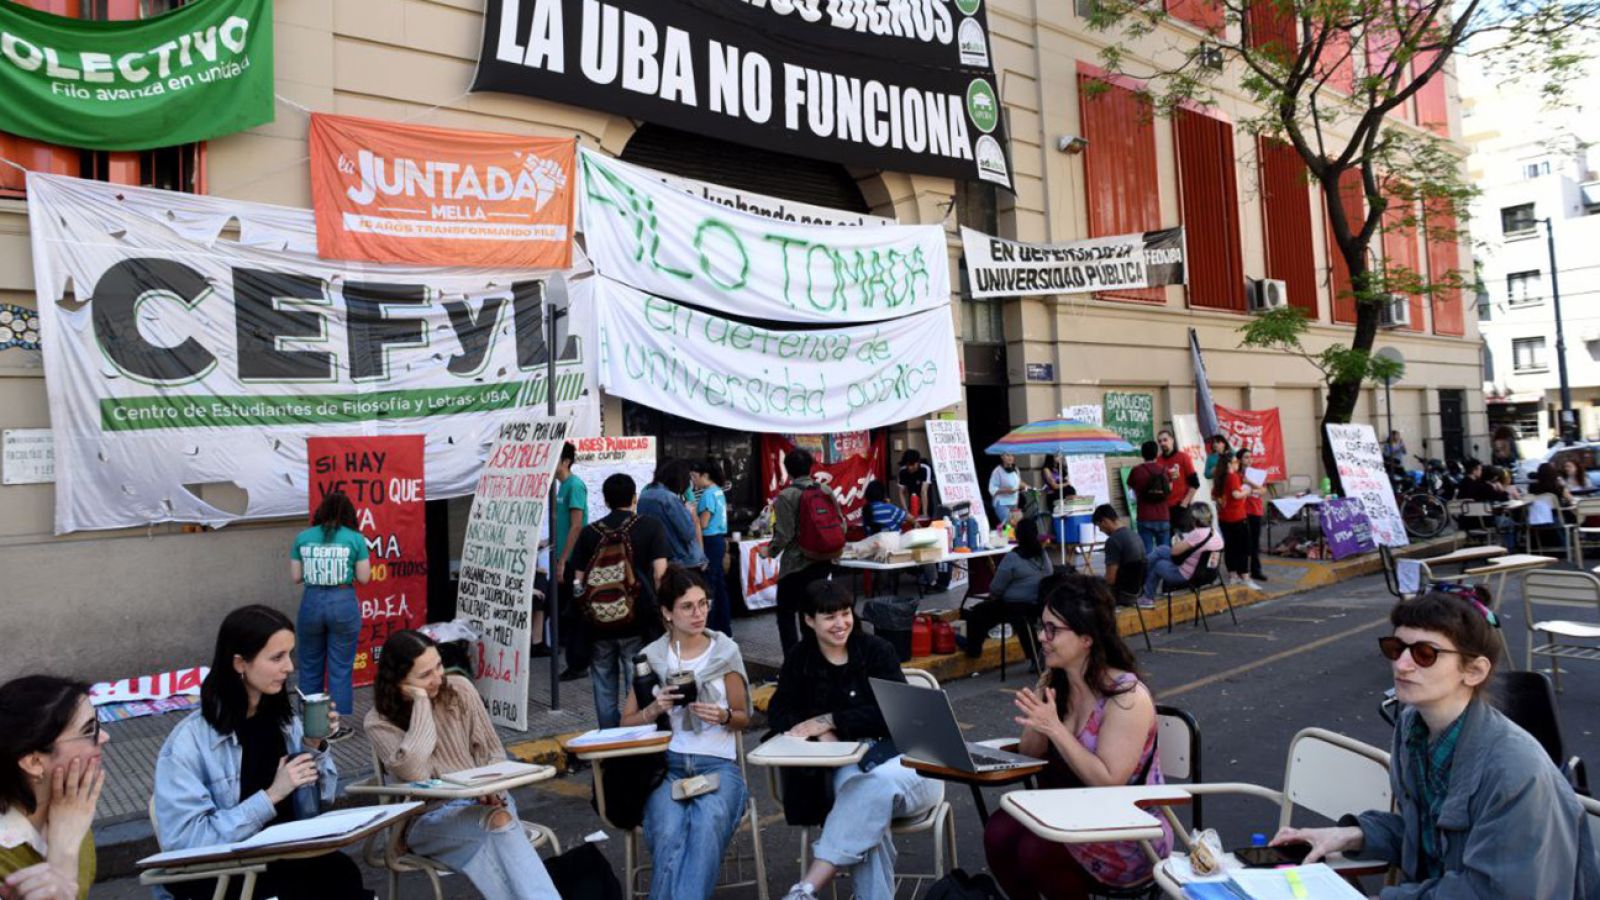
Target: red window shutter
[
  {"x": 1335, "y": 62},
  {"x": 34, "y": 155},
  {"x": 1444, "y": 257},
  {"x": 1271, "y": 25},
  {"x": 1401, "y": 257},
  {"x": 1209, "y": 191},
  {"x": 1433, "y": 109},
  {"x": 1355, "y": 208},
  {"x": 1119, "y": 166},
  {"x": 1286, "y": 210},
  {"x": 1205, "y": 14}
]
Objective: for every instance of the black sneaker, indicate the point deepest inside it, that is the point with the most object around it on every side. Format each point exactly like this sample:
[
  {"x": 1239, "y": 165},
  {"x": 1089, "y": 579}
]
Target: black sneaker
[
  {"x": 571, "y": 674},
  {"x": 1257, "y": 576},
  {"x": 345, "y": 731},
  {"x": 539, "y": 651}
]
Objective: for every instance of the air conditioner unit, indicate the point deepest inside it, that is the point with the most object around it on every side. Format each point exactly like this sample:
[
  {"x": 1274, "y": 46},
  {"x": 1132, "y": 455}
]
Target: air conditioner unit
[
  {"x": 1396, "y": 312},
  {"x": 1262, "y": 294}
]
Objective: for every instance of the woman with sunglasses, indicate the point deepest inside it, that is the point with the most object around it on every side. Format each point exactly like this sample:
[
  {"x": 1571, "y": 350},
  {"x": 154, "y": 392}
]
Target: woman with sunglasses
[
  {"x": 1480, "y": 812},
  {"x": 50, "y": 781},
  {"x": 242, "y": 762},
  {"x": 1094, "y": 722}
]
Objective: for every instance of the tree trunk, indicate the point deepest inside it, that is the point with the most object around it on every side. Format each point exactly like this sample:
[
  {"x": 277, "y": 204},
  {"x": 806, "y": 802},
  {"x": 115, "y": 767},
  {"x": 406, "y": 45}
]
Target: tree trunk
[{"x": 1343, "y": 394}]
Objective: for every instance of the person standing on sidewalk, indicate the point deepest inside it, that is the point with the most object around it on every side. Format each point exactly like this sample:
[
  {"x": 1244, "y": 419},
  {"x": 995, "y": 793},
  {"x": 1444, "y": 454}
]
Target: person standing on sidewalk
[
  {"x": 572, "y": 514},
  {"x": 665, "y": 501},
  {"x": 802, "y": 512},
  {"x": 1255, "y": 510},
  {"x": 619, "y": 560},
  {"x": 1181, "y": 477},
  {"x": 1005, "y": 487},
  {"x": 1228, "y": 492},
  {"x": 1152, "y": 489},
  {"x": 329, "y": 558},
  {"x": 712, "y": 510}
]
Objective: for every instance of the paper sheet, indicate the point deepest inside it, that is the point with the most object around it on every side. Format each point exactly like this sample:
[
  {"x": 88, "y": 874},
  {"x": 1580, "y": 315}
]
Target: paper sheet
[
  {"x": 1408, "y": 575},
  {"x": 508, "y": 768},
  {"x": 612, "y": 735},
  {"x": 784, "y": 745},
  {"x": 1320, "y": 883},
  {"x": 327, "y": 825},
  {"x": 1255, "y": 476}
]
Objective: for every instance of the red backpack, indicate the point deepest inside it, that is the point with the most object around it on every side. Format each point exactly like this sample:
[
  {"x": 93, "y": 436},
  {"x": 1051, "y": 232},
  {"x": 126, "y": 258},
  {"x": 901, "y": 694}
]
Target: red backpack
[
  {"x": 611, "y": 590},
  {"x": 820, "y": 524}
]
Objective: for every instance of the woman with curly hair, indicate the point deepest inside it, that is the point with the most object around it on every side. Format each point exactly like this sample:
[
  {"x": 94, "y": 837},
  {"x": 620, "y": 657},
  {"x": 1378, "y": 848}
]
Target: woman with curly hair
[
  {"x": 1093, "y": 721},
  {"x": 424, "y": 724}
]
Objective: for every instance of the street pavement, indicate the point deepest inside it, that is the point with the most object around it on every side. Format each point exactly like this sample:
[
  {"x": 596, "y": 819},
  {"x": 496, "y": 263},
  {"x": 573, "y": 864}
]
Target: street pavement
[{"x": 1305, "y": 660}]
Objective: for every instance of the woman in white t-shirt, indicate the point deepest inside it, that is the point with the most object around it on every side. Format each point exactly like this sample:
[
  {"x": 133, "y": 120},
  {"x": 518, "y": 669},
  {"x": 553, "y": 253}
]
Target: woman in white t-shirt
[{"x": 687, "y": 837}]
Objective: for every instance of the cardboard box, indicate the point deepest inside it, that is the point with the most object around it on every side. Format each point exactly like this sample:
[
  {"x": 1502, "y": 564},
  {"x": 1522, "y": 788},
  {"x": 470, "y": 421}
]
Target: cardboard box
[{"x": 928, "y": 554}]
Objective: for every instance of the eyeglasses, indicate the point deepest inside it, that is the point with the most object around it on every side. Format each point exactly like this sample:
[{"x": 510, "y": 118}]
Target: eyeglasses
[
  {"x": 1049, "y": 630},
  {"x": 1423, "y": 654},
  {"x": 93, "y": 735}
]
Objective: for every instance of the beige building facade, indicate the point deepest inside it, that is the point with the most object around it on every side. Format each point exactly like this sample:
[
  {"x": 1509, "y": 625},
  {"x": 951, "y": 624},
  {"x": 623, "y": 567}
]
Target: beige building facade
[{"x": 116, "y": 604}]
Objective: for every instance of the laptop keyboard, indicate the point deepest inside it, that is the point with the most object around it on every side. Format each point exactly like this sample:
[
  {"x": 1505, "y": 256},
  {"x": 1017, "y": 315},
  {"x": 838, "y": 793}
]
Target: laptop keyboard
[{"x": 989, "y": 758}]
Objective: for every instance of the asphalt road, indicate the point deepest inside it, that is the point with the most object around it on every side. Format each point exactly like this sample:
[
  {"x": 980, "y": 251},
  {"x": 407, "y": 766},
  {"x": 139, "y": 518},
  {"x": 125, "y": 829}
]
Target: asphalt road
[{"x": 1301, "y": 661}]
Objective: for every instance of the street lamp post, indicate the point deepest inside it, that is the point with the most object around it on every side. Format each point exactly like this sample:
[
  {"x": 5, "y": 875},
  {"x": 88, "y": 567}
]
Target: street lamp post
[{"x": 1568, "y": 419}]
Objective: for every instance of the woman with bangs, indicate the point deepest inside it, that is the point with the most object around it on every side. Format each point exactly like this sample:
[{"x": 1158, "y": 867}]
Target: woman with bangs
[{"x": 1481, "y": 810}]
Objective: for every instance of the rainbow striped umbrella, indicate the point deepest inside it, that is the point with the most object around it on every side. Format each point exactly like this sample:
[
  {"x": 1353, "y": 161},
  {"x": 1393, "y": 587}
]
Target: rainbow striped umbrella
[{"x": 1063, "y": 437}]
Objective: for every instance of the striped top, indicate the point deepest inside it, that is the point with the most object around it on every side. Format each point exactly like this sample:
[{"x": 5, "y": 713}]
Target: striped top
[{"x": 447, "y": 734}]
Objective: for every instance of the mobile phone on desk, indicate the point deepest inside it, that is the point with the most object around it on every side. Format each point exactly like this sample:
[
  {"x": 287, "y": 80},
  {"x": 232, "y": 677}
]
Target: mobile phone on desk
[{"x": 1272, "y": 857}]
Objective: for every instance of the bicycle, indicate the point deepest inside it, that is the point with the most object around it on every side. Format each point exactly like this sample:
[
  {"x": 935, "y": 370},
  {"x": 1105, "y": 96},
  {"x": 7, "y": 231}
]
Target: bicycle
[{"x": 1422, "y": 511}]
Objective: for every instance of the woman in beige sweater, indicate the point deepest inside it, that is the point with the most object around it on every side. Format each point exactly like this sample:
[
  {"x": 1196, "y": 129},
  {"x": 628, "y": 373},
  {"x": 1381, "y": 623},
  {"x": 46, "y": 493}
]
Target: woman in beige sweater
[{"x": 424, "y": 724}]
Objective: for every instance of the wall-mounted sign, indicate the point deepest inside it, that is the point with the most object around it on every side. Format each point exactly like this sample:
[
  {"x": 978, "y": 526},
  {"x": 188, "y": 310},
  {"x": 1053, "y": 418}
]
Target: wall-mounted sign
[
  {"x": 27, "y": 456},
  {"x": 1041, "y": 371}
]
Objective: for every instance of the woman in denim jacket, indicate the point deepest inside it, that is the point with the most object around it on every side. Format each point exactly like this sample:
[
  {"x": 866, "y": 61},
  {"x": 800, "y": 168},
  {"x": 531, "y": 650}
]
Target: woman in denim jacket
[
  {"x": 1480, "y": 810},
  {"x": 242, "y": 762}
]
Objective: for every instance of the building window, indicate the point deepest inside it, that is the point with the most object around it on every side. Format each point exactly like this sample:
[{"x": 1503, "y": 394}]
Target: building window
[
  {"x": 1536, "y": 169},
  {"x": 1527, "y": 355},
  {"x": 982, "y": 321},
  {"x": 1488, "y": 364},
  {"x": 1517, "y": 221},
  {"x": 179, "y": 168},
  {"x": 1524, "y": 289}
]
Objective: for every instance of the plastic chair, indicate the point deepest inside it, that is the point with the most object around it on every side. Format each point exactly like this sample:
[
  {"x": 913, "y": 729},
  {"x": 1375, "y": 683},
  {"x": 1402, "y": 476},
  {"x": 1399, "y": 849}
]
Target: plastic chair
[
  {"x": 222, "y": 872},
  {"x": 1206, "y": 573},
  {"x": 1475, "y": 519},
  {"x": 1178, "y": 743},
  {"x": 394, "y": 858},
  {"x": 1327, "y": 774},
  {"x": 1298, "y": 483},
  {"x": 940, "y": 821},
  {"x": 1578, "y": 590}
]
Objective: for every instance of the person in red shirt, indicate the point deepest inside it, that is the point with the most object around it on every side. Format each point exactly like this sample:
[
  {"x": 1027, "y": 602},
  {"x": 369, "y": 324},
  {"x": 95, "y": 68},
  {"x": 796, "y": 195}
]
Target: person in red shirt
[
  {"x": 1255, "y": 509},
  {"x": 1229, "y": 491},
  {"x": 1180, "y": 471}
]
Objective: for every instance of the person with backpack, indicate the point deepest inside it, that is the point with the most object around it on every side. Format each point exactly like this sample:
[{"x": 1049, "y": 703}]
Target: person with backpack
[
  {"x": 808, "y": 531},
  {"x": 1151, "y": 490},
  {"x": 618, "y": 562}
]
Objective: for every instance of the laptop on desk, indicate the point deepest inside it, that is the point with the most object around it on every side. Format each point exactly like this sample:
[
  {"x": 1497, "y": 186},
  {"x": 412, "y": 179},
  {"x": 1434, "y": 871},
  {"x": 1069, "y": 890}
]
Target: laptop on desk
[{"x": 924, "y": 727}]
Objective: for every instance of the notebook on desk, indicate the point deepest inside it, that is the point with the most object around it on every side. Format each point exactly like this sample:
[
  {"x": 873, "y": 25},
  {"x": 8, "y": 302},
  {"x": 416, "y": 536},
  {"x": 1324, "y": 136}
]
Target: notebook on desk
[
  {"x": 508, "y": 768},
  {"x": 1314, "y": 882},
  {"x": 305, "y": 831}
]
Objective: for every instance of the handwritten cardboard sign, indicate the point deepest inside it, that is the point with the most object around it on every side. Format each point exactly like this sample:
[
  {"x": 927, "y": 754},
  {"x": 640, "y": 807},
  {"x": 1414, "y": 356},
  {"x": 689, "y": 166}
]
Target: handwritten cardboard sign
[
  {"x": 1361, "y": 472},
  {"x": 1346, "y": 528},
  {"x": 950, "y": 450}
]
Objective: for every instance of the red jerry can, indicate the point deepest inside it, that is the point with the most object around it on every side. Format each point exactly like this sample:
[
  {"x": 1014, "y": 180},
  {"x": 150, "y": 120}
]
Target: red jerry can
[
  {"x": 944, "y": 637},
  {"x": 922, "y": 636}
]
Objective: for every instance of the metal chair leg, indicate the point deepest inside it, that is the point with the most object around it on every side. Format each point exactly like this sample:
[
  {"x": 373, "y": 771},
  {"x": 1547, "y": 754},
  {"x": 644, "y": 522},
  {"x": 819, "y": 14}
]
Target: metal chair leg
[
  {"x": 1169, "y": 612},
  {"x": 1200, "y": 610},
  {"x": 1227, "y": 597},
  {"x": 1143, "y": 630}
]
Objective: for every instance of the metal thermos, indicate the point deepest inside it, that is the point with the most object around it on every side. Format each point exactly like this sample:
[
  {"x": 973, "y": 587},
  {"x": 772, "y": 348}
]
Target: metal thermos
[{"x": 645, "y": 681}]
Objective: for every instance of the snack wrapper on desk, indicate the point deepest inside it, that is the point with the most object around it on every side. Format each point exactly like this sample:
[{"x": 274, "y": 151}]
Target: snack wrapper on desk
[{"x": 1206, "y": 854}]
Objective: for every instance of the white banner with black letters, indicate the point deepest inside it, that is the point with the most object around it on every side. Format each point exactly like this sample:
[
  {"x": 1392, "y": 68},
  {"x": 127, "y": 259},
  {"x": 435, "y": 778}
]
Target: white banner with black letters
[
  {"x": 907, "y": 86},
  {"x": 659, "y": 239},
  {"x": 997, "y": 267},
  {"x": 751, "y": 378}
]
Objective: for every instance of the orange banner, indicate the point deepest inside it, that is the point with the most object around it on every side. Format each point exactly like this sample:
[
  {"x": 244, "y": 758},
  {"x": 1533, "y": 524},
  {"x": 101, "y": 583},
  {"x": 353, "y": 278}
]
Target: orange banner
[{"x": 387, "y": 192}]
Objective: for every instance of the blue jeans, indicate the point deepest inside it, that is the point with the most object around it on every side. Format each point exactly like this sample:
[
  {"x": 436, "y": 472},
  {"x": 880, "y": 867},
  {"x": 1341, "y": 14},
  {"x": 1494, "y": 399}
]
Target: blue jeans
[
  {"x": 610, "y": 667},
  {"x": 856, "y": 833},
  {"x": 499, "y": 862},
  {"x": 1159, "y": 569},
  {"x": 327, "y": 631},
  {"x": 688, "y": 837},
  {"x": 721, "y": 618},
  {"x": 1155, "y": 534}
]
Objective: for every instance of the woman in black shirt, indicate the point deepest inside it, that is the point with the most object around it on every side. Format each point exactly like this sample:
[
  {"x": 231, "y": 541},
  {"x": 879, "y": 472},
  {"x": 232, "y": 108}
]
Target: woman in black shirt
[{"x": 824, "y": 694}]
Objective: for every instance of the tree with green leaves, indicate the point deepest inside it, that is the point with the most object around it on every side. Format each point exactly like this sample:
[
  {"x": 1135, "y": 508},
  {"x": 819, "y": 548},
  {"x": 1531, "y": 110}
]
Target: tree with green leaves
[{"x": 1329, "y": 77}]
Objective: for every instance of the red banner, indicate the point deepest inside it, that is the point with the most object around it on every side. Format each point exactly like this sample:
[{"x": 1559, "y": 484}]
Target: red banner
[
  {"x": 1260, "y": 432},
  {"x": 383, "y": 477},
  {"x": 388, "y": 192},
  {"x": 848, "y": 475}
]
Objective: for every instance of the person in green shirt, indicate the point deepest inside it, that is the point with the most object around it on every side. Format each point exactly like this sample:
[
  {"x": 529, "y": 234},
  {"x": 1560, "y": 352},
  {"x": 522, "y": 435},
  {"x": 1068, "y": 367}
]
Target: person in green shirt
[
  {"x": 50, "y": 780},
  {"x": 572, "y": 514},
  {"x": 329, "y": 558}
]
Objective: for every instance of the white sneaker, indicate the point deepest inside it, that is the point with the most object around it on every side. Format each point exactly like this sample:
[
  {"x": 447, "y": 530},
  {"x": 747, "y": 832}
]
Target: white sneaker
[
  {"x": 801, "y": 891},
  {"x": 1246, "y": 582}
]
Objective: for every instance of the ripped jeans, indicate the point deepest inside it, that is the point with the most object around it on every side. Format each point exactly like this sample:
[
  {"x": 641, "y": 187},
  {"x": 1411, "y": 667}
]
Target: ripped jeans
[{"x": 499, "y": 862}]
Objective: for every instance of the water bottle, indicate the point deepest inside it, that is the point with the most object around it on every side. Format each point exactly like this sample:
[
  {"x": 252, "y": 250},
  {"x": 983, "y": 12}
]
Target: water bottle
[
  {"x": 1258, "y": 840},
  {"x": 645, "y": 681},
  {"x": 1327, "y": 486}
]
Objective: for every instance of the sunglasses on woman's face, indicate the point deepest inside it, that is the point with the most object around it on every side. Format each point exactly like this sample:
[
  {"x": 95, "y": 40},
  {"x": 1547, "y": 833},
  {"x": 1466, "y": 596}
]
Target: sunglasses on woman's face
[{"x": 1422, "y": 653}]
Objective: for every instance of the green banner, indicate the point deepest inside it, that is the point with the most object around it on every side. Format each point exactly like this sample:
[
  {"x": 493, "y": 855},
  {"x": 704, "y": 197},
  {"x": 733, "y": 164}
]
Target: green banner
[
  {"x": 1131, "y": 415},
  {"x": 198, "y": 72}
]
